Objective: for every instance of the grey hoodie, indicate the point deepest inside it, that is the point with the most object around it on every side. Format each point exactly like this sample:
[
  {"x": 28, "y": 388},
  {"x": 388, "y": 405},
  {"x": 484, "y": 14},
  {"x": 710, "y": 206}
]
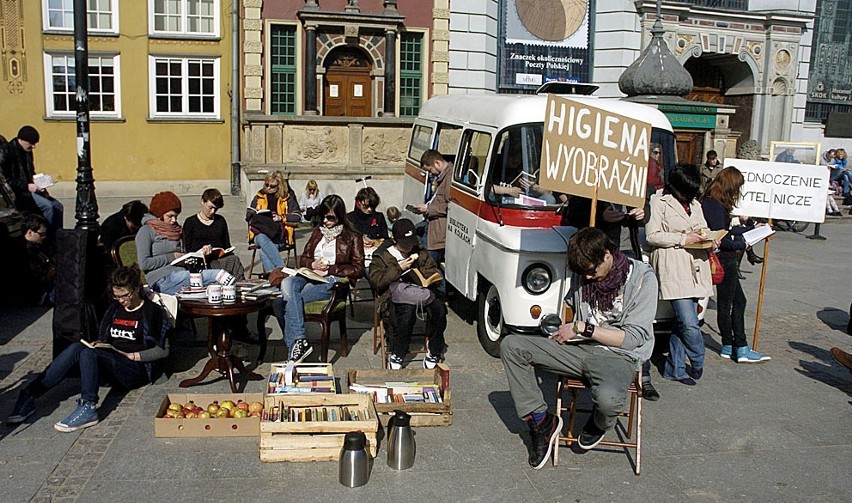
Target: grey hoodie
[{"x": 154, "y": 252}]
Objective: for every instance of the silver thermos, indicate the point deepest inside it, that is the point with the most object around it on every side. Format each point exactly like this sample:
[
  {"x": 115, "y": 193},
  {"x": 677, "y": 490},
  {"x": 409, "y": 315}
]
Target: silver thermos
[
  {"x": 401, "y": 446},
  {"x": 354, "y": 466}
]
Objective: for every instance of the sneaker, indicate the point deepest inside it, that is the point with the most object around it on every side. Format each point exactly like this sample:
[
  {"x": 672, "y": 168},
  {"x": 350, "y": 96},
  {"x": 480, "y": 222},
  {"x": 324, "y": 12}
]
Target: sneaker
[
  {"x": 543, "y": 437},
  {"x": 696, "y": 373},
  {"x": 24, "y": 408},
  {"x": 649, "y": 392},
  {"x": 726, "y": 351},
  {"x": 300, "y": 350},
  {"x": 431, "y": 361},
  {"x": 591, "y": 435},
  {"x": 746, "y": 355},
  {"x": 395, "y": 362},
  {"x": 85, "y": 415}
]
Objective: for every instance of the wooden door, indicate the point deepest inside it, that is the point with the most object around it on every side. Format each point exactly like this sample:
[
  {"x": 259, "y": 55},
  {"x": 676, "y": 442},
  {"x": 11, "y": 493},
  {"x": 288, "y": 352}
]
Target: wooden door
[
  {"x": 348, "y": 89},
  {"x": 690, "y": 147}
]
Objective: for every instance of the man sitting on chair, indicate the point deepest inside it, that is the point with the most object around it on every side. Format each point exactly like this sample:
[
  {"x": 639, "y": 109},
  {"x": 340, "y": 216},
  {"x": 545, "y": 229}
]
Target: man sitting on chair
[{"x": 614, "y": 299}]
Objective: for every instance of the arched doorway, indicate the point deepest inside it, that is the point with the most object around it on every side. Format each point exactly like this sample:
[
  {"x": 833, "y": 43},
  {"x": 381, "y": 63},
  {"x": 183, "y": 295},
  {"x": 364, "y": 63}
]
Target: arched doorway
[{"x": 348, "y": 88}]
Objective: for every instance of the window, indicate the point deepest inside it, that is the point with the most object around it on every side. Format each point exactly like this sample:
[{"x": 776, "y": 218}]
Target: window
[
  {"x": 61, "y": 87},
  {"x": 102, "y": 15},
  {"x": 421, "y": 139},
  {"x": 282, "y": 75},
  {"x": 184, "y": 87},
  {"x": 514, "y": 174},
  {"x": 474, "y": 154},
  {"x": 410, "y": 74},
  {"x": 184, "y": 17}
]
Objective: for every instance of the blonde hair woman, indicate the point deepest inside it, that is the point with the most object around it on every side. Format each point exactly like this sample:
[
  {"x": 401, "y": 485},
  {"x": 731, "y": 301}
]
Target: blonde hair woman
[{"x": 272, "y": 217}]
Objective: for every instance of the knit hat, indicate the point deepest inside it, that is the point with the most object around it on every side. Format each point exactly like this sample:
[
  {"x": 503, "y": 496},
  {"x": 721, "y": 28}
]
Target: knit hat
[
  {"x": 28, "y": 134},
  {"x": 163, "y": 203}
]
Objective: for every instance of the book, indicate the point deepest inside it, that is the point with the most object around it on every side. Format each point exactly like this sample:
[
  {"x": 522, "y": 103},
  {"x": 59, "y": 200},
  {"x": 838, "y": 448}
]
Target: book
[
  {"x": 43, "y": 181},
  {"x": 709, "y": 236},
  {"x": 215, "y": 253},
  {"x": 260, "y": 212},
  {"x": 418, "y": 279},
  {"x": 529, "y": 177},
  {"x": 98, "y": 345},
  {"x": 306, "y": 273},
  {"x": 758, "y": 234}
]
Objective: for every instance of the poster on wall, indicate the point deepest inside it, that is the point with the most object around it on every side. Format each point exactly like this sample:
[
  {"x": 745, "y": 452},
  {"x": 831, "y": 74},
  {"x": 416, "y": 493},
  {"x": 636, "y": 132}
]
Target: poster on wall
[
  {"x": 829, "y": 79},
  {"x": 543, "y": 41}
]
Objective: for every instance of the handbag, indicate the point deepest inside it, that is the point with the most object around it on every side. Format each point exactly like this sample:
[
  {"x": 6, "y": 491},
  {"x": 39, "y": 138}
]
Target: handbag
[
  {"x": 402, "y": 292},
  {"x": 717, "y": 272}
]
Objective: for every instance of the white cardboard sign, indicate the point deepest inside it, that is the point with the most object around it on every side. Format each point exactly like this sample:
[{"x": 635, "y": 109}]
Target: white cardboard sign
[{"x": 782, "y": 190}]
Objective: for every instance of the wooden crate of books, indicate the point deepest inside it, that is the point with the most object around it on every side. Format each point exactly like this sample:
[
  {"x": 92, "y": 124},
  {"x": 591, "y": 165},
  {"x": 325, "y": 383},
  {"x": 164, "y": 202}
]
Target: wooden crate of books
[
  {"x": 313, "y": 425},
  {"x": 300, "y": 378},
  {"x": 433, "y": 406}
]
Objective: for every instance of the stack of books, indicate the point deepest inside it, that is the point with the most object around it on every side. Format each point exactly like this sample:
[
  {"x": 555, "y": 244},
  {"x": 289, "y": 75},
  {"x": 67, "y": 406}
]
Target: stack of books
[
  {"x": 401, "y": 392},
  {"x": 256, "y": 289},
  {"x": 301, "y": 378}
]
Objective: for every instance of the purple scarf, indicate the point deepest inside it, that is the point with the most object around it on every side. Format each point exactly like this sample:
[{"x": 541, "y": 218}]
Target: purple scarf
[{"x": 601, "y": 294}]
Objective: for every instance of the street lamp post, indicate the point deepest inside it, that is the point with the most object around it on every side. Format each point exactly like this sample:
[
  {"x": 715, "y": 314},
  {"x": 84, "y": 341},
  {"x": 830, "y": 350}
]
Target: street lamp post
[{"x": 86, "y": 204}]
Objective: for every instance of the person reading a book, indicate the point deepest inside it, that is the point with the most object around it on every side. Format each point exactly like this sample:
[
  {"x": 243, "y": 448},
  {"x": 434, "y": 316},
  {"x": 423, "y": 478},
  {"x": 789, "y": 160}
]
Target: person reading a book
[
  {"x": 273, "y": 216},
  {"x": 125, "y": 222},
  {"x": 720, "y": 199},
  {"x": 207, "y": 232},
  {"x": 676, "y": 222},
  {"x": 333, "y": 251},
  {"x": 311, "y": 198},
  {"x": 132, "y": 342},
  {"x": 614, "y": 299},
  {"x": 368, "y": 221},
  {"x": 401, "y": 273},
  {"x": 160, "y": 241},
  {"x": 517, "y": 175}
]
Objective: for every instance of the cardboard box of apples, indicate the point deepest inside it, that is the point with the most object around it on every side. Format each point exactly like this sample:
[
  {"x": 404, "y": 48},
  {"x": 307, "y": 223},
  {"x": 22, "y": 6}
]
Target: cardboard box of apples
[{"x": 213, "y": 415}]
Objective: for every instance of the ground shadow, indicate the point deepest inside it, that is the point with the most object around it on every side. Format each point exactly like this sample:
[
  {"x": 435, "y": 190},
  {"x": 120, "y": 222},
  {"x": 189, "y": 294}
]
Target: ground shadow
[
  {"x": 836, "y": 319},
  {"x": 826, "y": 370},
  {"x": 16, "y": 319}
]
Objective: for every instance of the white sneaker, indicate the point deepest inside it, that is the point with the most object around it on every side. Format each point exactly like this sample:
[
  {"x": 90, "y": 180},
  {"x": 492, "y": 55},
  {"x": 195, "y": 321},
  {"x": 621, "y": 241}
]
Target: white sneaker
[
  {"x": 394, "y": 362},
  {"x": 430, "y": 361}
]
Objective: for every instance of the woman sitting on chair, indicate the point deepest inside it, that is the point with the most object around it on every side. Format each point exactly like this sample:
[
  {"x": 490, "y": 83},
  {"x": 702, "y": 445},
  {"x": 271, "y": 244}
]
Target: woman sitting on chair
[
  {"x": 273, "y": 215},
  {"x": 334, "y": 250}
]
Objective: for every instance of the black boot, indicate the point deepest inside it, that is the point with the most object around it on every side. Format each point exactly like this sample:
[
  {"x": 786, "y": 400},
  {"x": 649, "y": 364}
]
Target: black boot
[{"x": 753, "y": 258}]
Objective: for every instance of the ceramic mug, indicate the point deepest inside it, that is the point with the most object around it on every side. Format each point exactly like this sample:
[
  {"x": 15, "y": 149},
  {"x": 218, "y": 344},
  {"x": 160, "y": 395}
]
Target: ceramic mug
[
  {"x": 214, "y": 294},
  {"x": 229, "y": 294},
  {"x": 195, "y": 279}
]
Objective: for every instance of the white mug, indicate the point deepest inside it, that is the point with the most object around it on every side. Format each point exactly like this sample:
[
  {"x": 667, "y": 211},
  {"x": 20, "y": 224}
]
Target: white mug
[
  {"x": 229, "y": 294},
  {"x": 195, "y": 279},
  {"x": 214, "y": 294}
]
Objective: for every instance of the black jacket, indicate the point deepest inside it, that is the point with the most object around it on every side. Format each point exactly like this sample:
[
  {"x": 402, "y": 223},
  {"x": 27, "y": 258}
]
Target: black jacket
[{"x": 18, "y": 169}]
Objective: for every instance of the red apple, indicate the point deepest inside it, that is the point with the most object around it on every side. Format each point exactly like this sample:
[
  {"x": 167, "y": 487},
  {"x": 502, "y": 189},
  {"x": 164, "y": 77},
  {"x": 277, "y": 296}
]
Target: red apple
[
  {"x": 223, "y": 413},
  {"x": 213, "y": 408},
  {"x": 256, "y": 407},
  {"x": 242, "y": 405}
]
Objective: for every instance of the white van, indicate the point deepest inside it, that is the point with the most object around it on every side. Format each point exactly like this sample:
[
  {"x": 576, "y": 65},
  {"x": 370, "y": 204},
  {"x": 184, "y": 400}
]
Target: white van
[{"x": 505, "y": 247}]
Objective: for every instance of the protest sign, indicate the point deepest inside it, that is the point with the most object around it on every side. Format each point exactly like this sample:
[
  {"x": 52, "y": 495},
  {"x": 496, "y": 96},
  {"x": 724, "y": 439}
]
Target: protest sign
[
  {"x": 585, "y": 147},
  {"x": 780, "y": 190}
]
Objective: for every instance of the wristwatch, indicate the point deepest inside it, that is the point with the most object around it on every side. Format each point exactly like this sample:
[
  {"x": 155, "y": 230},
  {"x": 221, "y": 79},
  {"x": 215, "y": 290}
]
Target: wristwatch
[{"x": 589, "y": 330}]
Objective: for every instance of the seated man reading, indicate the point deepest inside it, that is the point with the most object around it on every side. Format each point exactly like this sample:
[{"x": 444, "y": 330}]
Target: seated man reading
[{"x": 614, "y": 299}]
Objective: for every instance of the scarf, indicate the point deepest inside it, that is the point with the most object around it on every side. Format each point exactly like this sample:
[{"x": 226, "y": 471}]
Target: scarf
[
  {"x": 172, "y": 232},
  {"x": 329, "y": 235},
  {"x": 601, "y": 294}
]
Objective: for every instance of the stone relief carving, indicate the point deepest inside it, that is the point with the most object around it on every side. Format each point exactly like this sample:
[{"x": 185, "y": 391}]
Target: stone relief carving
[
  {"x": 324, "y": 145},
  {"x": 749, "y": 150},
  {"x": 384, "y": 146}
]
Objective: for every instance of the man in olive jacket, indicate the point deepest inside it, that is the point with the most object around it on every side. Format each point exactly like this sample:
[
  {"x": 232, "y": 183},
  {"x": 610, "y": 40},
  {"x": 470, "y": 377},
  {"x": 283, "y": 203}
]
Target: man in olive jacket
[{"x": 390, "y": 271}]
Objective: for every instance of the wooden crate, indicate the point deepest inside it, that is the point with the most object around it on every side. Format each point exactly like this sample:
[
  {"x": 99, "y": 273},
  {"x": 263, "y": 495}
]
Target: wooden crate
[
  {"x": 422, "y": 414},
  {"x": 315, "y": 440},
  {"x": 280, "y": 368}
]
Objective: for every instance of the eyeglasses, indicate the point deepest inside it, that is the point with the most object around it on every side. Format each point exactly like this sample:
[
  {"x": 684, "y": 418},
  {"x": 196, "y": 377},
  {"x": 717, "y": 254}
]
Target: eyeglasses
[
  {"x": 330, "y": 218},
  {"x": 656, "y": 152},
  {"x": 126, "y": 296},
  {"x": 268, "y": 186}
]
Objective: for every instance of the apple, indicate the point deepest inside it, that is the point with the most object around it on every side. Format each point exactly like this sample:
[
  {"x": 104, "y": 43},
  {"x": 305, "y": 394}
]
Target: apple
[
  {"x": 256, "y": 407},
  {"x": 190, "y": 414},
  {"x": 256, "y": 413},
  {"x": 228, "y": 404},
  {"x": 240, "y": 413},
  {"x": 213, "y": 408},
  {"x": 175, "y": 406},
  {"x": 204, "y": 415},
  {"x": 223, "y": 413},
  {"x": 242, "y": 405}
]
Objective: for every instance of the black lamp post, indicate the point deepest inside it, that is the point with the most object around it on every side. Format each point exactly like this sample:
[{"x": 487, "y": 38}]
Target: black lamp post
[{"x": 86, "y": 204}]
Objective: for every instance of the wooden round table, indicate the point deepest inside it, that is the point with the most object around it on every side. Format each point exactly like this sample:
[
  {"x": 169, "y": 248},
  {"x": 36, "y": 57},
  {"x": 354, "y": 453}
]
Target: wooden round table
[{"x": 219, "y": 339}]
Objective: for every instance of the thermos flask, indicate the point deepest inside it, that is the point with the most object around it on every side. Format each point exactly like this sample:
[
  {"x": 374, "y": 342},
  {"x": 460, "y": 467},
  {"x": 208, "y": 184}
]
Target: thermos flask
[
  {"x": 401, "y": 446},
  {"x": 354, "y": 466}
]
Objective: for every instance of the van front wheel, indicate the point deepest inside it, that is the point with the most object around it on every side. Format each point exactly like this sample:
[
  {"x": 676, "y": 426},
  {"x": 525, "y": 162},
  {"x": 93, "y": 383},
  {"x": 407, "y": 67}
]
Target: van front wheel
[{"x": 489, "y": 325}]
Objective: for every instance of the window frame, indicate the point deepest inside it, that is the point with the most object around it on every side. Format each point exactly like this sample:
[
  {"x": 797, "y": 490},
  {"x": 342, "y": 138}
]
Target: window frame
[
  {"x": 296, "y": 68},
  {"x": 184, "y": 114},
  {"x": 50, "y": 110},
  {"x": 45, "y": 20},
  {"x": 402, "y": 74},
  {"x": 182, "y": 32}
]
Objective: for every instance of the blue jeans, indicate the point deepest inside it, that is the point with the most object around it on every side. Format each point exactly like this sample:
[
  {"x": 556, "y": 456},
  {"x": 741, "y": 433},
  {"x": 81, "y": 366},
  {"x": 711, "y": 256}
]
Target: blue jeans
[
  {"x": 289, "y": 308},
  {"x": 173, "y": 281},
  {"x": 94, "y": 364},
  {"x": 270, "y": 254},
  {"x": 686, "y": 340},
  {"x": 845, "y": 178},
  {"x": 51, "y": 209}
]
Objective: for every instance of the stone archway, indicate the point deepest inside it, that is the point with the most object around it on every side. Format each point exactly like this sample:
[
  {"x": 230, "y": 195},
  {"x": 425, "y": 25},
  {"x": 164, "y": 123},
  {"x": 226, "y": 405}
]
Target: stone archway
[{"x": 348, "y": 84}]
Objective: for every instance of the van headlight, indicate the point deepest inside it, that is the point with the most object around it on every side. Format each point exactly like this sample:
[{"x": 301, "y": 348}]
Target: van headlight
[{"x": 536, "y": 279}]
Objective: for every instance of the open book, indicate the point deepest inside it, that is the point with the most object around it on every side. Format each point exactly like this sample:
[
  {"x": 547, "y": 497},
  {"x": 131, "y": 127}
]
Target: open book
[
  {"x": 530, "y": 177},
  {"x": 43, "y": 181},
  {"x": 215, "y": 253},
  {"x": 709, "y": 236},
  {"x": 306, "y": 273},
  {"x": 97, "y": 345},
  {"x": 757, "y": 234},
  {"x": 417, "y": 278}
]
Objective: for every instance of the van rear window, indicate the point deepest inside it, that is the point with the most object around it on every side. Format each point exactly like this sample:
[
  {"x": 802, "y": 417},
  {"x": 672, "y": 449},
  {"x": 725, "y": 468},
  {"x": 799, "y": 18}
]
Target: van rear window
[{"x": 421, "y": 138}]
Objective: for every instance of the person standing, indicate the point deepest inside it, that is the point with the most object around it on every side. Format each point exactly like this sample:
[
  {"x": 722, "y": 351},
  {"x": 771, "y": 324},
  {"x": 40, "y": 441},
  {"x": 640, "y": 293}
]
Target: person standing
[
  {"x": 207, "y": 230},
  {"x": 614, "y": 299},
  {"x": 16, "y": 162},
  {"x": 435, "y": 210},
  {"x": 730, "y": 298},
  {"x": 711, "y": 166},
  {"x": 676, "y": 222}
]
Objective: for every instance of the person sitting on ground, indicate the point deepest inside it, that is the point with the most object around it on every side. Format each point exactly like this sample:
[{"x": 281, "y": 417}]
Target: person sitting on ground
[
  {"x": 311, "y": 198},
  {"x": 392, "y": 279},
  {"x": 392, "y": 214},
  {"x": 272, "y": 229},
  {"x": 368, "y": 221},
  {"x": 137, "y": 331},
  {"x": 33, "y": 272},
  {"x": 124, "y": 222},
  {"x": 159, "y": 243},
  {"x": 334, "y": 250},
  {"x": 207, "y": 230},
  {"x": 614, "y": 299}
]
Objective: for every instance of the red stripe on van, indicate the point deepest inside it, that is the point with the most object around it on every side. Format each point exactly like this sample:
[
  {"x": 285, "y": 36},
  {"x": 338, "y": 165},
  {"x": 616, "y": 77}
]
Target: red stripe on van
[{"x": 510, "y": 216}]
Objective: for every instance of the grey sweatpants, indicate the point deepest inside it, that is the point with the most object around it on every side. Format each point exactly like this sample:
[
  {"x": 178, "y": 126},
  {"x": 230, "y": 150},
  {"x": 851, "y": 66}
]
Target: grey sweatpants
[{"x": 608, "y": 373}]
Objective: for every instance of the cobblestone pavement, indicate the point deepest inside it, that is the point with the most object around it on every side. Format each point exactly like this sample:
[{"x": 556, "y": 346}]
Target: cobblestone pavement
[{"x": 772, "y": 432}]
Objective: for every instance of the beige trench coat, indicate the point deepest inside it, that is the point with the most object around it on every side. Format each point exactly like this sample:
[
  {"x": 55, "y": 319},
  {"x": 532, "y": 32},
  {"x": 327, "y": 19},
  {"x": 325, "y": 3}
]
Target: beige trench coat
[{"x": 682, "y": 272}]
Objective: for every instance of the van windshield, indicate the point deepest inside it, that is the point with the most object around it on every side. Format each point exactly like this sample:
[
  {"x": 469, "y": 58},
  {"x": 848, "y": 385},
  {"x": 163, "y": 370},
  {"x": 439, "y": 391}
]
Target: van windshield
[{"x": 513, "y": 175}]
